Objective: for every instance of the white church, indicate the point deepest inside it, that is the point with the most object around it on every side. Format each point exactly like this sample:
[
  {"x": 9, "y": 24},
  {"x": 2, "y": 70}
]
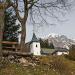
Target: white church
[{"x": 35, "y": 46}]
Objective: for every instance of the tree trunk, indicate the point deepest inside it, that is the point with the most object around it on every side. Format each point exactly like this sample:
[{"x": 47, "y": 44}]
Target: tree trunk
[
  {"x": 1, "y": 29},
  {"x": 23, "y": 36}
]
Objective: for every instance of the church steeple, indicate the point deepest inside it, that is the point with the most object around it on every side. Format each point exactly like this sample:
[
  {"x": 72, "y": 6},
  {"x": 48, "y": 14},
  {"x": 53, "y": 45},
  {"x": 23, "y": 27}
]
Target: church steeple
[
  {"x": 35, "y": 46},
  {"x": 34, "y": 38}
]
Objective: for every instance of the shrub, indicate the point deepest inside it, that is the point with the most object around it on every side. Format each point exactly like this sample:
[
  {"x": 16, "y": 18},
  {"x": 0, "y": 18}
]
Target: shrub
[
  {"x": 59, "y": 65},
  {"x": 72, "y": 53}
]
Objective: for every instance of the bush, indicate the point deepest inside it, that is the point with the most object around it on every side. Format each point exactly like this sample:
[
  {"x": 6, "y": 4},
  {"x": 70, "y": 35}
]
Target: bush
[
  {"x": 59, "y": 65},
  {"x": 72, "y": 53}
]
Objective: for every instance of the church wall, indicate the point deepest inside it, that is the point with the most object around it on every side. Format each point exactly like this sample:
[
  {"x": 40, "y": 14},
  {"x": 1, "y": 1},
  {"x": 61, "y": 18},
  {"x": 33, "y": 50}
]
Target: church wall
[{"x": 35, "y": 48}]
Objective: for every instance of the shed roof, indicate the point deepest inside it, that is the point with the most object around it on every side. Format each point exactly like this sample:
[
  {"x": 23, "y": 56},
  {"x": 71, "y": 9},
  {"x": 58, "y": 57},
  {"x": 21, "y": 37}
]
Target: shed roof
[
  {"x": 60, "y": 50},
  {"x": 53, "y": 51}
]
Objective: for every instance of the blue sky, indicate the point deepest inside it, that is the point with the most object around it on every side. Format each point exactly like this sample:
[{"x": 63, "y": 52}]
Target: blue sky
[
  {"x": 66, "y": 28},
  {"x": 62, "y": 28}
]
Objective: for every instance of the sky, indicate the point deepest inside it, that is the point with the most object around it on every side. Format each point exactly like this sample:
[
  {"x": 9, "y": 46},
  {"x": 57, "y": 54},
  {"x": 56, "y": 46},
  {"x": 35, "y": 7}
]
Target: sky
[
  {"x": 66, "y": 28},
  {"x": 61, "y": 28}
]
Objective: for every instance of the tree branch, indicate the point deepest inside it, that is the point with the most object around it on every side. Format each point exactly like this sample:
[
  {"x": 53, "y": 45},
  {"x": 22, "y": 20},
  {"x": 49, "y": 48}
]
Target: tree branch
[
  {"x": 17, "y": 12},
  {"x": 25, "y": 10},
  {"x": 15, "y": 6},
  {"x": 32, "y": 3}
]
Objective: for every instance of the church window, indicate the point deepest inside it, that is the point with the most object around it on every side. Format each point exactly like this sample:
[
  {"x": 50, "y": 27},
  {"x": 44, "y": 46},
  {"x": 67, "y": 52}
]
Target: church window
[{"x": 36, "y": 45}]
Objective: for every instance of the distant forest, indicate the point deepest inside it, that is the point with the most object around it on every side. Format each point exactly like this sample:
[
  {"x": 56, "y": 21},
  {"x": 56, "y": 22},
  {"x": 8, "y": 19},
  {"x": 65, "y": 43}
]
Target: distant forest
[{"x": 45, "y": 44}]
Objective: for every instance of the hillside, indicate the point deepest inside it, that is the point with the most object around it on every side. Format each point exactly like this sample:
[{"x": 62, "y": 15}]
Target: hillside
[{"x": 46, "y": 65}]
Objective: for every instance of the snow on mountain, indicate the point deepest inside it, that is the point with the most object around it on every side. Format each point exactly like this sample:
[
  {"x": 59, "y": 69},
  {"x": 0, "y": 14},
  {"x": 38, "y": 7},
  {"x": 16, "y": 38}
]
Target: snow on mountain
[
  {"x": 59, "y": 40},
  {"x": 74, "y": 40},
  {"x": 50, "y": 35},
  {"x": 53, "y": 35}
]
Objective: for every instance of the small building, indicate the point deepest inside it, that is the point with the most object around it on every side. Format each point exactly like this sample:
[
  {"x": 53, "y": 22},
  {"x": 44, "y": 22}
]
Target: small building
[
  {"x": 35, "y": 46},
  {"x": 61, "y": 51}
]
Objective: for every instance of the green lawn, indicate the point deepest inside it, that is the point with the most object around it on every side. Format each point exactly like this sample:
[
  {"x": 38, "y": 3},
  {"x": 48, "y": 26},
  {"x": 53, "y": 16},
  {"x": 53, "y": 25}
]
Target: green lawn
[{"x": 47, "y": 48}]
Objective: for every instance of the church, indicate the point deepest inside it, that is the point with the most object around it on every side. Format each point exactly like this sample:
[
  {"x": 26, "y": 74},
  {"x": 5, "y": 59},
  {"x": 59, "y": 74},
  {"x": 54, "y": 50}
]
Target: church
[{"x": 35, "y": 48}]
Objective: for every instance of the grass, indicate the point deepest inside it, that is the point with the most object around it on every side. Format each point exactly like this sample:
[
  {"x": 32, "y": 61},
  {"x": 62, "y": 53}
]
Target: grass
[
  {"x": 49, "y": 65},
  {"x": 47, "y": 48},
  {"x": 17, "y": 69}
]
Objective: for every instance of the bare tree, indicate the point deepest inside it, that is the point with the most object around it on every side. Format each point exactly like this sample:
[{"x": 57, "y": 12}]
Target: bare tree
[
  {"x": 2, "y": 8},
  {"x": 35, "y": 8}
]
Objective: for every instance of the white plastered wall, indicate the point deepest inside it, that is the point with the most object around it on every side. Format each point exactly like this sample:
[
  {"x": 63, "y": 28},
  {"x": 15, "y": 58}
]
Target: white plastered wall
[
  {"x": 35, "y": 48},
  {"x": 60, "y": 53}
]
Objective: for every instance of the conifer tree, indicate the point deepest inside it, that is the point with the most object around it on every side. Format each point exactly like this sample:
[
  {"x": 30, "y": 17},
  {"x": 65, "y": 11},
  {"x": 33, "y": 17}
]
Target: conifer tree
[
  {"x": 10, "y": 28},
  {"x": 51, "y": 46}
]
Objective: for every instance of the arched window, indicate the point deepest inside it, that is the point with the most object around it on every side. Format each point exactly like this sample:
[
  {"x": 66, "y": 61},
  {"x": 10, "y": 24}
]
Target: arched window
[{"x": 36, "y": 45}]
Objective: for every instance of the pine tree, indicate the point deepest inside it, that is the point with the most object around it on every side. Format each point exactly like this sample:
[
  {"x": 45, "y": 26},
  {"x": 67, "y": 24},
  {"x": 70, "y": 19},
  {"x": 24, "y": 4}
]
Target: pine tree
[
  {"x": 51, "y": 46},
  {"x": 10, "y": 28}
]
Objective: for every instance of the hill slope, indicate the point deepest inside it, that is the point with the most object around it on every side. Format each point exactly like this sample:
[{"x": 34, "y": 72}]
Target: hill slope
[{"x": 47, "y": 65}]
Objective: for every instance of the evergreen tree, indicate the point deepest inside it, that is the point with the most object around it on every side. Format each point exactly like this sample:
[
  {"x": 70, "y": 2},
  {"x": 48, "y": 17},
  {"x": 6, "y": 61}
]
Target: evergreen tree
[
  {"x": 10, "y": 28},
  {"x": 41, "y": 43},
  {"x": 45, "y": 44},
  {"x": 51, "y": 46}
]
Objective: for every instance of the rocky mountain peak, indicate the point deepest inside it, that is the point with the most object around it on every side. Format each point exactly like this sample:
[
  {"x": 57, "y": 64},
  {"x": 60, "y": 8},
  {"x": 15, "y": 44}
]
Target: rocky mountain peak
[{"x": 61, "y": 41}]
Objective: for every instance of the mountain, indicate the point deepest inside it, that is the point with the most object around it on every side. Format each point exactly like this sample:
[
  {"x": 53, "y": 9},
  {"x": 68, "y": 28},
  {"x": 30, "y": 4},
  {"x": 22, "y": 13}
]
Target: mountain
[{"x": 59, "y": 40}]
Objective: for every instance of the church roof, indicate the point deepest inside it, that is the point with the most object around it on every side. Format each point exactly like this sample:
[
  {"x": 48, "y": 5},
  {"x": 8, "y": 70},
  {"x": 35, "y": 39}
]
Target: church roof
[{"x": 34, "y": 38}]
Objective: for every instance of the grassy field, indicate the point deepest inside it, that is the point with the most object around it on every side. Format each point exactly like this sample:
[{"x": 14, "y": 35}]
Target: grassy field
[{"x": 48, "y": 65}]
